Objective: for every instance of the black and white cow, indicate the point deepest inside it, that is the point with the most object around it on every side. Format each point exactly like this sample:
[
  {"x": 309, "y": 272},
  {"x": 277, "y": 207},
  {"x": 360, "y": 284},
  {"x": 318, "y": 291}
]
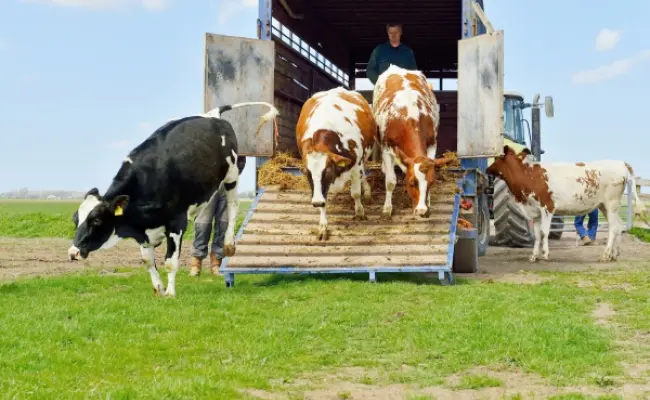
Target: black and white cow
[{"x": 161, "y": 184}]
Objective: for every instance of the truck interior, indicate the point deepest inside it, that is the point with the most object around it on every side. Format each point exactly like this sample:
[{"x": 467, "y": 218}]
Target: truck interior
[{"x": 322, "y": 44}]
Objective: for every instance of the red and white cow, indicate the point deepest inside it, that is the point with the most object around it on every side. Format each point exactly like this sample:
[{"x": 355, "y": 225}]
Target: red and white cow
[
  {"x": 544, "y": 189},
  {"x": 335, "y": 134},
  {"x": 407, "y": 116}
]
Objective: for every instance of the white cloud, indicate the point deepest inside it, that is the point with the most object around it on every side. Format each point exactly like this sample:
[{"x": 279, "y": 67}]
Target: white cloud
[
  {"x": 607, "y": 39},
  {"x": 105, "y": 4},
  {"x": 609, "y": 71},
  {"x": 227, "y": 9}
]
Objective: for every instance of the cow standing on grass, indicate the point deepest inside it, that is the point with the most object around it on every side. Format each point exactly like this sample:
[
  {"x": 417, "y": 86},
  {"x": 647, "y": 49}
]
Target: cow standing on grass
[
  {"x": 161, "y": 184},
  {"x": 407, "y": 116},
  {"x": 544, "y": 189},
  {"x": 335, "y": 135}
]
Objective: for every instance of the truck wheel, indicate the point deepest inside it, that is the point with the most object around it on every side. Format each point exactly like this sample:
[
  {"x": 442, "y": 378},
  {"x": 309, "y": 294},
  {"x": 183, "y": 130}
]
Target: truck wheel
[
  {"x": 511, "y": 226},
  {"x": 556, "y": 223},
  {"x": 483, "y": 225}
]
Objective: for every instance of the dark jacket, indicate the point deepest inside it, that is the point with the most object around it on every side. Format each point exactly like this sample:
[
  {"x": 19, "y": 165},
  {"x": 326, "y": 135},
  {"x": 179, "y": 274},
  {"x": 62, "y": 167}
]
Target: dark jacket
[{"x": 384, "y": 55}]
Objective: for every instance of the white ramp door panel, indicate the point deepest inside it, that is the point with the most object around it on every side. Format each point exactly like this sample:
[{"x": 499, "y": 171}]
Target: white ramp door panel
[
  {"x": 480, "y": 96},
  {"x": 239, "y": 70}
]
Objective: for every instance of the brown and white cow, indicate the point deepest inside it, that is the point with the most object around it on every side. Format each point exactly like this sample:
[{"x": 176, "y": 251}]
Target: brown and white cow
[
  {"x": 335, "y": 134},
  {"x": 544, "y": 189},
  {"x": 407, "y": 116}
]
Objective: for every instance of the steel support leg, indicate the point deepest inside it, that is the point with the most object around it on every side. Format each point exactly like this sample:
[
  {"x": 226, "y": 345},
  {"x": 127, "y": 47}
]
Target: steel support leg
[{"x": 229, "y": 277}]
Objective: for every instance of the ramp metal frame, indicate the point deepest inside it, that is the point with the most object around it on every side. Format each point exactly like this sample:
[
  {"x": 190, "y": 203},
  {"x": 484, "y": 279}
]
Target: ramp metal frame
[{"x": 467, "y": 186}]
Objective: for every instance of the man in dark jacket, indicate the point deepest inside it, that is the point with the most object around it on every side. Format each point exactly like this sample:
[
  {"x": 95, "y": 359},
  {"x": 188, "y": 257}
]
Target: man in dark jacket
[{"x": 391, "y": 52}]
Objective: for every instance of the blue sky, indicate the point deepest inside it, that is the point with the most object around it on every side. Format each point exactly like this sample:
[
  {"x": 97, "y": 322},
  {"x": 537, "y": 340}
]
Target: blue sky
[{"x": 82, "y": 82}]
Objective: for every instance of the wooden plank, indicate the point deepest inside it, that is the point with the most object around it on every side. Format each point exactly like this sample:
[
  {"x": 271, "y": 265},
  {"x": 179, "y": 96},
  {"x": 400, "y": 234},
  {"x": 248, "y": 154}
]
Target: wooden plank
[
  {"x": 333, "y": 209},
  {"x": 357, "y": 240},
  {"x": 296, "y": 197},
  {"x": 337, "y": 261},
  {"x": 345, "y": 220},
  {"x": 339, "y": 250},
  {"x": 428, "y": 229}
]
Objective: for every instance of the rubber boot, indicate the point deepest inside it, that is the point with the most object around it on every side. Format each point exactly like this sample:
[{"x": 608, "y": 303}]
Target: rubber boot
[
  {"x": 195, "y": 266},
  {"x": 215, "y": 263}
]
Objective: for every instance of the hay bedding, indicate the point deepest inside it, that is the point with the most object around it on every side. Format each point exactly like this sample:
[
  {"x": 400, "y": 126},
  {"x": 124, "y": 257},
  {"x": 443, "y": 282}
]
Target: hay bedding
[{"x": 271, "y": 173}]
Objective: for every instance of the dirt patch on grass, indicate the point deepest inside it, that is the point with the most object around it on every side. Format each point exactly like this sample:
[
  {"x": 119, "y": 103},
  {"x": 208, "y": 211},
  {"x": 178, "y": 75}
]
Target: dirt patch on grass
[
  {"x": 48, "y": 256},
  {"x": 358, "y": 383},
  {"x": 603, "y": 313},
  {"x": 504, "y": 263}
]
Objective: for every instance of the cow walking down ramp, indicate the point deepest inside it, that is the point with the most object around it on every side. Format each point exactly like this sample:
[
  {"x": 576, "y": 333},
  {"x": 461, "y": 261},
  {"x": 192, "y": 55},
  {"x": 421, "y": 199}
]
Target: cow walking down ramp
[
  {"x": 407, "y": 116},
  {"x": 335, "y": 134},
  {"x": 162, "y": 183},
  {"x": 544, "y": 189}
]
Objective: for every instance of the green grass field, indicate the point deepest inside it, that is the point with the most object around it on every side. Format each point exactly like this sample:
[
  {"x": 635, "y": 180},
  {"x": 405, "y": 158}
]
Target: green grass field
[
  {"x": 52, "y": 218},
  {"x": 103, "y": 335}
]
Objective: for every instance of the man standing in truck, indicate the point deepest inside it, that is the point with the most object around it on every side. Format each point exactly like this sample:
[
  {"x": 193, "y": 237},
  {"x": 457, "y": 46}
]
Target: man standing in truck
[{"x": 390, "y": 52}]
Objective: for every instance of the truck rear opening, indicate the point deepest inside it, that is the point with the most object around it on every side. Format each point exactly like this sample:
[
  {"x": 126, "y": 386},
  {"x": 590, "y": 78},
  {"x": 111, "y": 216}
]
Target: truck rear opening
[{"x": 321, "y": 44}]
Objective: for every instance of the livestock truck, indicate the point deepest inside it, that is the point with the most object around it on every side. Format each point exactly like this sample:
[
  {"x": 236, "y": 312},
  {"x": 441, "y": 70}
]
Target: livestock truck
[{"x": 306, "y": 46}]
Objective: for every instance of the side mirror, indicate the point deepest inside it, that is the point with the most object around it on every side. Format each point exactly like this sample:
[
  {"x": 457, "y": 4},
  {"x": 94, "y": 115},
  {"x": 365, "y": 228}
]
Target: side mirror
[{"x": 548, "y": 106}]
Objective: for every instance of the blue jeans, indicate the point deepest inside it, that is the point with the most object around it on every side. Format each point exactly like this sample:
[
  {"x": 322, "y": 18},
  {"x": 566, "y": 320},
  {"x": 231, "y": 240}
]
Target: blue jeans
[
  {"x": 592, "y": 225},
  {"x": 213, "y": 213}
]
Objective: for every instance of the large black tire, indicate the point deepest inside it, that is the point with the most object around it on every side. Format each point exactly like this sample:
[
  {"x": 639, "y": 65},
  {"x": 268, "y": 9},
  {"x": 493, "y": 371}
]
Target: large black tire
[
  {"x": 511, "y": 226},
  {"x": 556, "y": 223},
  {"x": 484, "y": 225}
]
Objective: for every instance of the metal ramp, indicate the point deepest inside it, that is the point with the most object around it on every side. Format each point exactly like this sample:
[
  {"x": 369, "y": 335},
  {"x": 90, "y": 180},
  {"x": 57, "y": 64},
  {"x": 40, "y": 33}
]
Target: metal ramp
[{"x": 278, "y": 235}]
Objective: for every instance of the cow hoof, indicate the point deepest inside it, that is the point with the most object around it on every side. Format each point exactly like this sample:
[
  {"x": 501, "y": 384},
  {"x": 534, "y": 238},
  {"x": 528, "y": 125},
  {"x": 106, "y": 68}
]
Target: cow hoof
[
  {"x": 170, "y": 294},
  {"x": 387, "y": 211},
  {"x": 323, "y": 234},
  {"x": 545, "y": 257},
  {"x": 229, "y": 250},
  {"x": 533, "y": 258},
  {"x": 158, "y": 291},
  {"x": 360, "y": 217}
]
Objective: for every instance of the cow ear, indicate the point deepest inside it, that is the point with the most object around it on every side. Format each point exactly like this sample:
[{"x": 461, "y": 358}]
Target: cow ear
[
  {"x": 93, "y": 192},
  {"x": 119, "y": 204},
  {"x": 403, "y": 157},
  {"x": 339, "y": 160},
  {"x": 524, "y": 153},
  {"x": 506, "y": 149}
]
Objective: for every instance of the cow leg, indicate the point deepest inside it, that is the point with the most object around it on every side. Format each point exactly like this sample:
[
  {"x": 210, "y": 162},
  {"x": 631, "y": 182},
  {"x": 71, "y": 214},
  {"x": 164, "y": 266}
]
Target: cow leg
[
  {"x": 174, "y": 235},
  {"x": 367, "y": 190},
  {"x": 614, "y": 221},
  {"x": 149, "y": 257},
  {"x": 537, "y": 231},
  {"x": 232, "y": 208},
  {"x": 545, "y": 229},
  {"x": 355, "y": 192},
  {"x": 323, "y": 234},
  {"x": 388, "y": 167}
]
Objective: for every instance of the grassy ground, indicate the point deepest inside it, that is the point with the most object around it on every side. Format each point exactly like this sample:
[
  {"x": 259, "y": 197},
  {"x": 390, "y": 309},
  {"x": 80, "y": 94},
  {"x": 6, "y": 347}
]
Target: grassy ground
[
  {"x": 103, "y": 334},
  {"x": 52, "y": 218},
  {"x": 63, "y": 337}
]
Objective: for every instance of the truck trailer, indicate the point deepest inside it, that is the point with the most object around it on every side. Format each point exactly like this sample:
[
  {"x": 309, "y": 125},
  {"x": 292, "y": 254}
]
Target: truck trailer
[{"x": 304, "y": 47}]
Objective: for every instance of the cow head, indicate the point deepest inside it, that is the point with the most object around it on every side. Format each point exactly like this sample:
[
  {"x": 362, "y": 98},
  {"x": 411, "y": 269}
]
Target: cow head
[
  {"x": 322, "y": 169},
  {"x": 95, "y": 222},
  {"x": 504, "y": 165},
  {"x": 420, "y": 175}
]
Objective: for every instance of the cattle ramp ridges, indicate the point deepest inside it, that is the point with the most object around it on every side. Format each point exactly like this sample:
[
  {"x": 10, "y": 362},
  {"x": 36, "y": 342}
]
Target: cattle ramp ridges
[{"x": 278, "y": 235}]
